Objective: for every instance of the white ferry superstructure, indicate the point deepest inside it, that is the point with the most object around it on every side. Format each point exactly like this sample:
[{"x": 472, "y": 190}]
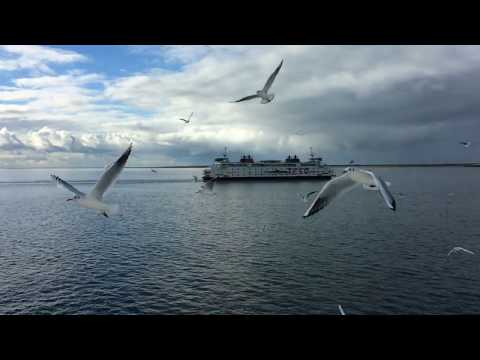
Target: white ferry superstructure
[{"x": 248, "y": 169}]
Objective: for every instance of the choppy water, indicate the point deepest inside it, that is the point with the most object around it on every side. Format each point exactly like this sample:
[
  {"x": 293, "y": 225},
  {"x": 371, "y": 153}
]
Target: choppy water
[{"x": 246, "y": 250}]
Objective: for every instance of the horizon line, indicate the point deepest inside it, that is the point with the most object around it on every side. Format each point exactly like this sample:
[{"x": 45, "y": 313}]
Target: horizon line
[{"x": 207, "y": 166}]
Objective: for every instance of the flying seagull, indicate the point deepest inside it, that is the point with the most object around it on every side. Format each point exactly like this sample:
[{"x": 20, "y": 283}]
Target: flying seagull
[
  {"x": 340, "y": 185},
  {"x": 187, "y": 121},
  {"x": 263, "y": 94},
  {"x": 460, "y": 249},
  {"x": 208, "y": 185},
  {"x": 307, "y": 195},
  {"x": 465, "y": 143},
  {"x": 154, "y": 171},
  {"x": 341, "y": 309},
  {"x": 94, "y": 199}
]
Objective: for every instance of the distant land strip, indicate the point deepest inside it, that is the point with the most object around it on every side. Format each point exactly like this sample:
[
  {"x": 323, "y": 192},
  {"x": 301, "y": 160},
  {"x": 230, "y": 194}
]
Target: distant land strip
[
  {"x": 333, "y": 165},
  {"x": 206, "y": 166}
]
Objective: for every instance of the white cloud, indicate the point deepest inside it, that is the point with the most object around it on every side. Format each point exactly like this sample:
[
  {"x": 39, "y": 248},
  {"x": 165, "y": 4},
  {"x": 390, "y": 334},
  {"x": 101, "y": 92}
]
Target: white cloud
[
  {"x": 342, "y": 99},
  {"x": 35, "y": 57},
  {"x": 9, "y": 141}
]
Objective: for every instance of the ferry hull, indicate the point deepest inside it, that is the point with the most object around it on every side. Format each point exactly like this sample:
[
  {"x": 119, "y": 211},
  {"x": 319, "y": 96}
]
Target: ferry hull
[
  {"x": 271, "y": 170},
  {"x": 269, "y": 178}
]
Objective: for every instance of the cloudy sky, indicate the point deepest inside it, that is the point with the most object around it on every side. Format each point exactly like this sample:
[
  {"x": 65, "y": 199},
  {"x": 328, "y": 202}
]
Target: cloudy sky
[{"x": 82, "y": 105}]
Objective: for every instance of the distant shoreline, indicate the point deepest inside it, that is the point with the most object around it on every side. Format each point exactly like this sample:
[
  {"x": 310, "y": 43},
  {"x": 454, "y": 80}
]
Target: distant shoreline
[{"x": 207, "y": 166}]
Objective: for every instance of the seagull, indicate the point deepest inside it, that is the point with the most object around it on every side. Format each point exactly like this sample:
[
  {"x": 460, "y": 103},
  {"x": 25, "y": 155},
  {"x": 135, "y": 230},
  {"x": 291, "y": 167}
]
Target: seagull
[
  {"x": 346, "y": 182},
  {"x": 458, "y": 249},
  {"x": 351, "y": 162},
  {"x": 94, "y": 199},
  {"x": 370, "y": 186},
  {"x": 154, "y": 171},
  {"x": 341, "y": 309},
  {"x": 208, "y": 185},
  {"x": 465, "y": 143},
  {"x": 187, "y": 121},
  {"x": 263, "y": 94},
  {"x": 306, "y": 196}
]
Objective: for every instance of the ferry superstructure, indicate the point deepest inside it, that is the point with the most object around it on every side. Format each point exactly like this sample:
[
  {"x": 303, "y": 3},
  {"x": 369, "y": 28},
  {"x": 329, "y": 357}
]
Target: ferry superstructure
[{"x": 249, "y": 169}]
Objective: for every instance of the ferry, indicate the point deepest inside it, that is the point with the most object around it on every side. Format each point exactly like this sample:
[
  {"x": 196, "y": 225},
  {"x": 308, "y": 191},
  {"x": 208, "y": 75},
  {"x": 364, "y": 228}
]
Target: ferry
[{"x": 248, "y": 169}]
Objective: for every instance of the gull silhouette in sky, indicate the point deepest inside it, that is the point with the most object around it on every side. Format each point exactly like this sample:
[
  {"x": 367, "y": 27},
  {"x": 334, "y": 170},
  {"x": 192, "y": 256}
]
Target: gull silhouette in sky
[
  {"x": 263, "y": 94},
  {"x": 187, "y": 121}
]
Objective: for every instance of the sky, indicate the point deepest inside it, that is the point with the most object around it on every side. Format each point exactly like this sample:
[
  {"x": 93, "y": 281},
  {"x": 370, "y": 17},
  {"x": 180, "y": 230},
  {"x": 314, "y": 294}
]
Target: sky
[{"x": 75, "y": 106}]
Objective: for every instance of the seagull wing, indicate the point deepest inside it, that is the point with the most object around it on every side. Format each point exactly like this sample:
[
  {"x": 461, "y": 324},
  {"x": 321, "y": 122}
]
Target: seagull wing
[
  {"x": 67, "y": 186},
  {"x": 110, "y": 175},
  {"x": 330, "y": 191},
  {"x": 272, "y": 77},
  {"x": 380, "y": 185},
  {"x": 190, "y": 116},
  {"x": 386, "y": 194},
  {"x": 467, "y": 251},
  {"x": 341, "y": 309},
  {"x": 247, "y": 98}
]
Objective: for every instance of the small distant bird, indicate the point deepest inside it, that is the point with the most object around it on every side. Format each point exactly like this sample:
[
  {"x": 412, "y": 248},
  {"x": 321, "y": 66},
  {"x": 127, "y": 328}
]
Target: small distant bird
[
  {"x": 340, "y": 185},
  {"x": 306, "y": 196},
  {"x": 195, "y": 178},
  {"x": 460, "y": 249},
  {"x": 341, "y": 310},
  {"x": 154, "y": 171},
  {"x": 263, "y": 94},
  {"x": 187, "y": 121},
  {"x": 351, "y": 162},
  {"x": 94, "y": 199},
  {"x": 465, "y": 143}
]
